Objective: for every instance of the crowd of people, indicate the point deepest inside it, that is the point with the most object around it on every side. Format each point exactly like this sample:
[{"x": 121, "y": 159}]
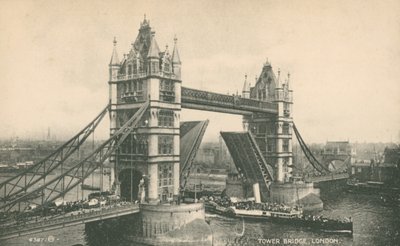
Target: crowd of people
[
  {"x": 251, "y": 205},
  {"x": 54, "y": 209}
]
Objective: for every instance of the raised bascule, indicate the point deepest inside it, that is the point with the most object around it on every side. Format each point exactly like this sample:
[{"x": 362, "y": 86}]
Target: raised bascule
[{"x": 151, "y": 150}]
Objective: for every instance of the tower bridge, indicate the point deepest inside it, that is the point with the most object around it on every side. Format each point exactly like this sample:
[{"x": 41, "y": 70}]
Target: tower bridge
[{"x": 148, "y": 138}]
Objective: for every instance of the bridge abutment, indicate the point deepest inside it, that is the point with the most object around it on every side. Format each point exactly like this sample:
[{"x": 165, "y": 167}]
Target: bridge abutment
[
  {"x": 296, "y": 193},
  {"x": 174, "y": 224}
]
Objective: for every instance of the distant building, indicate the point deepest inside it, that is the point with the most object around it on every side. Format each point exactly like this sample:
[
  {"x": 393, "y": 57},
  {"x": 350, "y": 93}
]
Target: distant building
[
  {"x": 387, "y": 171},
  {"x": 392, "y": 155}
]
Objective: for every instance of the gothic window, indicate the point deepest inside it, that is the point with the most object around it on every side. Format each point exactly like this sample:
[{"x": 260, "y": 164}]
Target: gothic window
[
  {"x": 262, "y": 128},
  {"x": 134, "y": 67},
  {"x": 271, "y": 146},
  {"x": 126, "y": 87},
  {"x": 285, "y": 128},
  {"x": 270, "y": 128},
  {"x": 130, "y": 69},
  {"x": 166, "y": 67},
  {"x": 167, "y": 91},
  {"x": 141, "y": 68},
  {"x": 165, "y": 177},
  {"x": 165, "y": 145},
  {"x": 154, "y": 67},
  {"x": 134, "y": 86},
  {"x": 166, "y": 118},
  {"x": 140, "y": 86},
  {"x": 285, "y": 145}
]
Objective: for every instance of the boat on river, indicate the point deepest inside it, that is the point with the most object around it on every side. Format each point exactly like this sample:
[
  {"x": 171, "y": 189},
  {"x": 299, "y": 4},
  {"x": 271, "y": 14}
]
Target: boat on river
[{"x": 280, "y": 214}]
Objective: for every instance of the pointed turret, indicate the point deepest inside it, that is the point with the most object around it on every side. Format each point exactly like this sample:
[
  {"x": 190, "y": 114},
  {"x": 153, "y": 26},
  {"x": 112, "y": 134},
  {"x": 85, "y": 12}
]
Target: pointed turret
[
  {"x": 153, "y": 56},
  {"x": 114, "y": 63},
  {"x": 114, "y": 57},
  {"x": 176, "y": 60},
  {"x": 154, "y": 51},
  {"x": 246, "y": 88},
  {"x": 175, "y": 54},
  {"x": 278, "y": 81}
]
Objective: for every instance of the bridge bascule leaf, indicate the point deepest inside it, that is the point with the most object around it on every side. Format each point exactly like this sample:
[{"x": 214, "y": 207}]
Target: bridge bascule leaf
[
  {"x": 248, "y": 158},
  {"x": 191, "y": 134},
  {"x": 73, "y": 176}
]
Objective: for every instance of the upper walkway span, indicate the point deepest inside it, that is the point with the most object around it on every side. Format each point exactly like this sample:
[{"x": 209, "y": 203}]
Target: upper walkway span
[{"x": 211, "y": 101}]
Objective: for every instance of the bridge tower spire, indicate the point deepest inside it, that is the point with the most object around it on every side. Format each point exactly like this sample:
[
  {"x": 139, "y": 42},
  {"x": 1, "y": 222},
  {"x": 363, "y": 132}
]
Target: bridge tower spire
[
  {"x": 114, "y": 62},
  {"x": 246, "y": 88},
  {"x": 176, "y": 60}
]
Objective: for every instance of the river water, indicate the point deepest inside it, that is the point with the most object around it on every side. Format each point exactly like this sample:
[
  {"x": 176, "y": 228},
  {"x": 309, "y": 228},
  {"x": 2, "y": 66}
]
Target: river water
[{"x": 374, "y": 224}]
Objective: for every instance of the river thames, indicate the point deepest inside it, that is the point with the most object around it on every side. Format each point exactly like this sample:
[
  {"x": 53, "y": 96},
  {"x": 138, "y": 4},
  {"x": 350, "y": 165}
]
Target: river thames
[{"x": 375, "y": 223}]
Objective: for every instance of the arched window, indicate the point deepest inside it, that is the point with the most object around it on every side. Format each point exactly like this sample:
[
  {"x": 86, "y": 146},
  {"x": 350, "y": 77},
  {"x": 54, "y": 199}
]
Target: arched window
[
  {"x": 129, "y": 69},
  {"x": 166, "y": 67},
  {"x": 166, "y": 118},
  {"x": 165, "y": 145},
  {"x": 134, "y": 67},
  {"x": 154, "y": 67},
  {"x": 141, "y": 68}
]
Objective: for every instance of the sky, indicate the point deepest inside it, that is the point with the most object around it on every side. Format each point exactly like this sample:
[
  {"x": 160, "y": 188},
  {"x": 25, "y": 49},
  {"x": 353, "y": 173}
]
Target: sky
[{"x": 343, "y": 57}]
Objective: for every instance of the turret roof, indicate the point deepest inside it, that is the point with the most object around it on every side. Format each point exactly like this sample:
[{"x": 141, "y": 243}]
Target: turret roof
[
  {"x": 175, "y": 54},
  {"x": 246, "y": 85},
  {"x": 114, "y": 57},
  {"x": 154, "y": 51}
]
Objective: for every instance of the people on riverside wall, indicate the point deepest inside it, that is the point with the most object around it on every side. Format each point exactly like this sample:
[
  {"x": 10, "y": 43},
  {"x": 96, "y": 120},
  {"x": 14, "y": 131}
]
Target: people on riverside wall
[{"x": 58, "y": 208}]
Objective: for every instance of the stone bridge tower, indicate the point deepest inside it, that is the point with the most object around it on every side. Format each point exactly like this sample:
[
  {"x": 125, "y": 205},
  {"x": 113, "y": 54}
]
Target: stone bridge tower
[
  {"x": 272, "y": 133},
  {"x": 151, "y": 152}
]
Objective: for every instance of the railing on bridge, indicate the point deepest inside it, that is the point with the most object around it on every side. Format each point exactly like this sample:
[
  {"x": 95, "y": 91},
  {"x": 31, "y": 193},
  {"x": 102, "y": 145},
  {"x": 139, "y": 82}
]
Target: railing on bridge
[
  {"x": 328, "y": 177},
  {"x": 193, "y": 96},
  {"x": 29, "y": 227}
]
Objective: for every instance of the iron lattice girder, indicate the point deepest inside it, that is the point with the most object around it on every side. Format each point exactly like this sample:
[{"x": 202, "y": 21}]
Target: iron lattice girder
[
  {"x": 190, "y": 143},
  {"x": 49, "y": 163},
  {"x": 84, "y": 168},
  {"x": 310, "y": 157}
]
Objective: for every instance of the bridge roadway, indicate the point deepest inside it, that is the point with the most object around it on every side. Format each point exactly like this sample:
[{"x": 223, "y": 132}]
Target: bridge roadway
[
  {"x": 329, "y": 177},
  {"x": 210, "y": 101},
  {"x": 66, "y": 220}
]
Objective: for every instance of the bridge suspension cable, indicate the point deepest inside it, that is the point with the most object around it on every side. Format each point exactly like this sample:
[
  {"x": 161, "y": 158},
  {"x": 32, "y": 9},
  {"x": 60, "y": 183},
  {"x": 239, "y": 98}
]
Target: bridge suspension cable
[
  {"x": 73, "y": 176},
  {"x": 310, "y": 157},
  {"x": 21, "y": 182}
]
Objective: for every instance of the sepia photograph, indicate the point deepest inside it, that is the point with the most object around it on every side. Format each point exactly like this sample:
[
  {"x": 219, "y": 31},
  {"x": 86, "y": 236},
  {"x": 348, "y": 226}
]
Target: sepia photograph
[{"x": 200, "y": 123}]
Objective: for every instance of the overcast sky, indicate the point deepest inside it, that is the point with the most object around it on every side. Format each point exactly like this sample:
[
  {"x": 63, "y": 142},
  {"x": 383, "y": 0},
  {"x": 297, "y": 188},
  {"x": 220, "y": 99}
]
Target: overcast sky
[{"x": 343, "y": 57}]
